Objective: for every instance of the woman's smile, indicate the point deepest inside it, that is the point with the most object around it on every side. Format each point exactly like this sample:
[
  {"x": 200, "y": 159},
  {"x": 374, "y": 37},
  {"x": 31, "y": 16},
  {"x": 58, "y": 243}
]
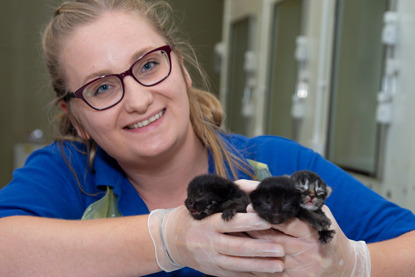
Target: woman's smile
[{"x": 148, "y": 121}]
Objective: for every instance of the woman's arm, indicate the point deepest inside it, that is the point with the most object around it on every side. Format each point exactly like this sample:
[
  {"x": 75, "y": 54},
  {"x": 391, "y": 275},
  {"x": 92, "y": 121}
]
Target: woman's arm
[
  {"x": 32, "y": 246},
  {"x": 35, "y": 246},
  {"x": 394, "y": 257}
]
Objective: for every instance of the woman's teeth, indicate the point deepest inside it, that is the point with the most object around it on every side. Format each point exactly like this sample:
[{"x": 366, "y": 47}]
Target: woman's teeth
[{"x": 147, "y": 121}]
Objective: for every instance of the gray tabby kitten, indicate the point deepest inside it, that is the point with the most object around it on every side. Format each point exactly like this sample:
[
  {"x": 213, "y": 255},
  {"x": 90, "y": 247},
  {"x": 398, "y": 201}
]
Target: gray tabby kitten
[{"x": 314, "y": 192}]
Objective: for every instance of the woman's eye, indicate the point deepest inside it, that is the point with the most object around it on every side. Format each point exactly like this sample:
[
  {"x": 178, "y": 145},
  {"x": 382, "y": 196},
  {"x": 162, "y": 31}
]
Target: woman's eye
[
  {"x": 148, "y": 66},
  {"x": 102, "y": 89}
]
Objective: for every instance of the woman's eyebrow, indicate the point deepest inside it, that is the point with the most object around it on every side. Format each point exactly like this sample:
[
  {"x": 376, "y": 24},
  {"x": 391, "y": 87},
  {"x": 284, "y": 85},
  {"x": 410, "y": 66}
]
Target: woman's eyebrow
[
  {"x": 134, "y": 57},
  {"x": 95, "y": 75},
  {"x": 140, "y": 53}
]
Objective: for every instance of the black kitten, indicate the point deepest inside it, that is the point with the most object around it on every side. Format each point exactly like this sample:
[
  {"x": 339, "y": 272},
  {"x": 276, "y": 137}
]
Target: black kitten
[
  {"x": 277, "y": 199},
  {"x": 208, "y": 194}
]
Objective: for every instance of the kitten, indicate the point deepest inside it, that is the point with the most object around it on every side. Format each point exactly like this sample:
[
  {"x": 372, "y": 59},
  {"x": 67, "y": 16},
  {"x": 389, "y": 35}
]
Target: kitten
[
  {"x": 208, "y": 194},
  {"x": 277, "y": 199},
  {"x": 314, "y": 192}
]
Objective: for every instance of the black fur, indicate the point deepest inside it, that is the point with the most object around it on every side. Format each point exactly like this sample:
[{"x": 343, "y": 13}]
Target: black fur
[
  {"x": 276, "y": 199},
  {"x": 208, "y": 194}
]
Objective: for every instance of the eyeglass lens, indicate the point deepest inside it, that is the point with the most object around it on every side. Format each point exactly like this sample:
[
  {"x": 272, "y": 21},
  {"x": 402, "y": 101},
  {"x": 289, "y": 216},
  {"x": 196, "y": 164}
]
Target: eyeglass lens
[{"x": 108, "y": 90}]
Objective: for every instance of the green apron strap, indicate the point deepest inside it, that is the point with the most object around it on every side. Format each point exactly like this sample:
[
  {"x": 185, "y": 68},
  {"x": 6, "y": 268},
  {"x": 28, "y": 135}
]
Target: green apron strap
[
  {"x": 261, "y": 170},
  {"x": 103, "y": 208},
  {"x": 107, "y": 206}
]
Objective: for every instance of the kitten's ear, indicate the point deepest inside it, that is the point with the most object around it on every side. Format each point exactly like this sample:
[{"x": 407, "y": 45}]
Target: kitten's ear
[{"x": 329, "y": 191}]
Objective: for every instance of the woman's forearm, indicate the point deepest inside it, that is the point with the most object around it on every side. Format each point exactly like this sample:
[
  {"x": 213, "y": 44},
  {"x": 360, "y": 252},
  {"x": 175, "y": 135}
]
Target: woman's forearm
[
  {"x": 394, "y": 257},
  {"x": 50, "y": 247}
]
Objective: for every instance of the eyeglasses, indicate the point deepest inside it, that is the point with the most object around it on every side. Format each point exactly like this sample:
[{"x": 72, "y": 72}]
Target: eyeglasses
[{"x": 107, "y": 91}]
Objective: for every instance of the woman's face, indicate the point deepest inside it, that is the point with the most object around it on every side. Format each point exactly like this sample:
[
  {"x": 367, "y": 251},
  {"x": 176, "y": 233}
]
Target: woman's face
[{"x": 110, "y": 45}]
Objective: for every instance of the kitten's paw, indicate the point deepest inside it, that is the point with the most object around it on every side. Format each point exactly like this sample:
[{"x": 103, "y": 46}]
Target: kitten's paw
[
  {"x": 228, "y": 214},
  {"x": 323, "y": 223},
  {"x": 325, "y": 236}
]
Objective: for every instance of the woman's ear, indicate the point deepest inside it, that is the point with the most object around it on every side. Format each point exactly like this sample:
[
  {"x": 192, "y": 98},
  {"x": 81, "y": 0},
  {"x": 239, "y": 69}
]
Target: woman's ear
[
  {"x": 79, "y": 130},
  {"x": 64, "y": 106}
]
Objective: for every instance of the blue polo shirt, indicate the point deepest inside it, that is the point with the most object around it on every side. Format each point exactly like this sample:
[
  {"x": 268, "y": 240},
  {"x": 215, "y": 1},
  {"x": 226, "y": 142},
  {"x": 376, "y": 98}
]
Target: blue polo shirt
[{"x": 46, "y": 186}]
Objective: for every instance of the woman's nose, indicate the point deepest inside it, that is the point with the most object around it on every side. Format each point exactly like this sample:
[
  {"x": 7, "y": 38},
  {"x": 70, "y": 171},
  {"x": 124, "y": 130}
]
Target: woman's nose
[{"x": 137, "y": 98}]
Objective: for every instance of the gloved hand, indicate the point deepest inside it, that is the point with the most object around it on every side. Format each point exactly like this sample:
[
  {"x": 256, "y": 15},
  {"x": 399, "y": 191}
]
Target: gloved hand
[
  {"x": 305, "y": 256},
  {"x": 209, "y": 246}
]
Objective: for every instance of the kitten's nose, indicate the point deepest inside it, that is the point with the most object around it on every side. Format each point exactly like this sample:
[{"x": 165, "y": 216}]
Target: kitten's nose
[
  {"x": 277, "y": 220},
  {"x": 189, "y": 202}
]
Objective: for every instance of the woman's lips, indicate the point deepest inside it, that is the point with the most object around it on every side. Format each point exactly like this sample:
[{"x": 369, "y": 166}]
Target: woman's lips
[{"x": 147, "y": 121}]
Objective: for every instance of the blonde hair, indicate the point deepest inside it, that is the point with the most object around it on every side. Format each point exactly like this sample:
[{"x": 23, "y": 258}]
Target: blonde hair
[{"x": 206, "y": 113}]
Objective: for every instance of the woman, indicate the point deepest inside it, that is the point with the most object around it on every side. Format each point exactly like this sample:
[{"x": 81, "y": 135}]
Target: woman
[{"x": 141, "y": 133}]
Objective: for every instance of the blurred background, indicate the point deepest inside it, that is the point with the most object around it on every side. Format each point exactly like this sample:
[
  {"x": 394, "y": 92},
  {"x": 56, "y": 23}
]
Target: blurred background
[{"x": 335, "y": 75}]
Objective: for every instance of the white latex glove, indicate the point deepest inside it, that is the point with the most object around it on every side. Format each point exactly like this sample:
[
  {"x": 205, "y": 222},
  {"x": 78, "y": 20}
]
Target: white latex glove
[
  {"x": 305, "y": 256},
  {"x": 208, "y": 246}
]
